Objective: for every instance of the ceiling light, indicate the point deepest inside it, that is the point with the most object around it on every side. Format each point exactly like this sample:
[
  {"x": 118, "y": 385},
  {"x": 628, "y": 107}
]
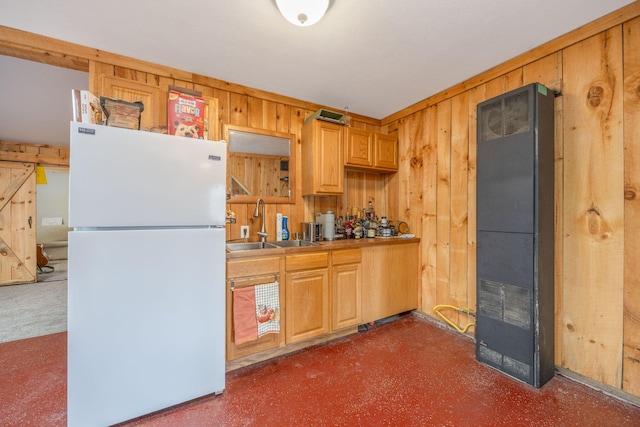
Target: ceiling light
[{"x": 303, "y": 13}]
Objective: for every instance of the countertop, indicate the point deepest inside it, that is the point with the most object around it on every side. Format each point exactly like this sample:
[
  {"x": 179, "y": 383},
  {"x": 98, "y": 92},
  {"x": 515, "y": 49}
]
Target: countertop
[{"x": 325, "y": 245}]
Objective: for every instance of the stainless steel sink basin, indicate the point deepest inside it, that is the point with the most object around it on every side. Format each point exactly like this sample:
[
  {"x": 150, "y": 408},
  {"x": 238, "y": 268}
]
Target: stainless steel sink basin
[
  {"x": 293, "y": 243},
  {"x": 248, "y": 246}
]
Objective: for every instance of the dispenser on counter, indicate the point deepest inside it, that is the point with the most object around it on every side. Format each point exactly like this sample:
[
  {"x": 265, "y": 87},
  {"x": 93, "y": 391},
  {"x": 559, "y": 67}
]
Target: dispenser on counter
[{"x": 328, "y": 222}]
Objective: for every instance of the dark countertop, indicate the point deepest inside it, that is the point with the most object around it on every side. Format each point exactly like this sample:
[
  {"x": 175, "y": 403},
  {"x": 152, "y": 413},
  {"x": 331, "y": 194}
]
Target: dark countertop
[{"x": 324, "y": 245}]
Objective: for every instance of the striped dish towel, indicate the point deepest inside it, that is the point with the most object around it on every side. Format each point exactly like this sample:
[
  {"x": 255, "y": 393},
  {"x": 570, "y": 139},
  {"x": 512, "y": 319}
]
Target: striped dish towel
[{"x": 268, "y": 308}]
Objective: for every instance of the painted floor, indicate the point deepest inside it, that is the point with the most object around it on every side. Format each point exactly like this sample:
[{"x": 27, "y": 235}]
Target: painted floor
[{"x": 406, "y": 373}]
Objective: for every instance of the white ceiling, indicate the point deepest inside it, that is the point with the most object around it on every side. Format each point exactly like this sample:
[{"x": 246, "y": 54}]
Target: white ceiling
[{"x": 374, "y": 56}]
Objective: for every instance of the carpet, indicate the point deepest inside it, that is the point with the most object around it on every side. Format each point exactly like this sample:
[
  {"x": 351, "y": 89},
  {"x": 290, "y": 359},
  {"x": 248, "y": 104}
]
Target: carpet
[{"x": 35, "y": 309}]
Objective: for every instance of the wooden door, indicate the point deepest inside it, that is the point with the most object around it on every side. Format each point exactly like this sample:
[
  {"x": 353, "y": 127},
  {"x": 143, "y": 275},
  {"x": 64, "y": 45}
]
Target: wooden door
[
  {"x": 386, "y": 156},
  {"x": 345, "y": 296},
  {"x": 307, "y": 296},
  {"x": 390, "y": 287},
  {"x": 322, "y": 159},
  {"x": 152, "y": 98},
  {"x": 307, "y": 302},
  {"x": 17, "y": 223},
  {"x": 358, "y": 149},
  {"x": 346, "y": 279}
]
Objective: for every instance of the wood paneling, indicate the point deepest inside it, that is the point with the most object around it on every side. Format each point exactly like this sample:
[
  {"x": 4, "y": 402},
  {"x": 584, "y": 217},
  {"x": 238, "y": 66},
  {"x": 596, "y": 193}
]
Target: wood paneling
[
  {"x": 631, "y": 316},
  {"x": 459, "y": 195},
  {"x": 424, "y": 139},
  {"x": 593, "y": 214},
  {"x": 443, "y": 201},
  {"x": 476, "y": 95}
]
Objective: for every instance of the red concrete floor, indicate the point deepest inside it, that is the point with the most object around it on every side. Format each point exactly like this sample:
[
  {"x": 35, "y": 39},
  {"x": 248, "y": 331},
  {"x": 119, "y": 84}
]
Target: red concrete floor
[{"x": 405, "y": 373}]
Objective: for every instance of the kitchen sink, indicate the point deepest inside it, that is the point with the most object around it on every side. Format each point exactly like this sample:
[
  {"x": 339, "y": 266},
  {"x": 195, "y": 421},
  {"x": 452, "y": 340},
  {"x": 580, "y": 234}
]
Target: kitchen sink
[
  {"x": 248, "y": 246},
  {"x": 293, "y": 243}
]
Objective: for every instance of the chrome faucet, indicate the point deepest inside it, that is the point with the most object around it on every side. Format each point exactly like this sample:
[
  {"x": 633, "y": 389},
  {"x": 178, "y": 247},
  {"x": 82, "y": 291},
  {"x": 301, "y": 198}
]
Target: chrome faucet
[{"x": 263, "y": 232}]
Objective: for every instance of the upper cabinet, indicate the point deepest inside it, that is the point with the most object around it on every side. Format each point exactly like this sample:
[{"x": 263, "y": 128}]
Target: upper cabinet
[
  {"x": 386, "y": 152},
  {"x": 329, "y": 148},
  {"x": 358, "y": 148},
  {"x": 322, "y": 159},
  {"x": 374, "y": 152}
]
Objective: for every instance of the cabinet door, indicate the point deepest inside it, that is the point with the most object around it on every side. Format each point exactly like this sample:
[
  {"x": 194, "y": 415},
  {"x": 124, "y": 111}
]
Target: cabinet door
[
  {"x": 389, "y": 280},
  {"x": 155, "y": 104},
  {"x": 358, "y": 147},
  {"x": 307, "y": 302},
  {"x": 386, "y": 152},
  {"x": 345, "y": 296},
  {"x": 322, "y": 158},
  {"x": 252, "y": 272}
]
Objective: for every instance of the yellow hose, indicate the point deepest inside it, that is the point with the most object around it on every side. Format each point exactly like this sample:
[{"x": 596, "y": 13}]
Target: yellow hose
[{"x": 463, "y": 310}]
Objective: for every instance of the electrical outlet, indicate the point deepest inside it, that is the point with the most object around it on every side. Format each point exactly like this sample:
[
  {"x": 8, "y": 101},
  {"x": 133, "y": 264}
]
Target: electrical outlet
[{"x": 244, "y": 231}]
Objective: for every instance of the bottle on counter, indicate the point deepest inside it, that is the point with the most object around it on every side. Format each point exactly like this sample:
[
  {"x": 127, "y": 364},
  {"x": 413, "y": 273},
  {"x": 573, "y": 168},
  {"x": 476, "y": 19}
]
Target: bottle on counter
[
  {"x": 340, "y": 228},
  {"x": 369, "y": 213},
  {"x": 357, "y": 229},
  {"x": 285, "y": 228},
  {"x": 348, "y": 230}
]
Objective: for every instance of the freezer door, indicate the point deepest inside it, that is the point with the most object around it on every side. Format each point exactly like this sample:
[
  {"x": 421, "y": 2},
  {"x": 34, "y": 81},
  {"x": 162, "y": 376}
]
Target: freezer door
[
  {"x": 126, "y": 178},
  {"x": 146, "y": 321}
]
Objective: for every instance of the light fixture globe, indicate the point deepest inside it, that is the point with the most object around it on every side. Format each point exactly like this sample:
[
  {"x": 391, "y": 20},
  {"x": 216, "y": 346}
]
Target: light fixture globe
[{"x": 303, "y": 13}]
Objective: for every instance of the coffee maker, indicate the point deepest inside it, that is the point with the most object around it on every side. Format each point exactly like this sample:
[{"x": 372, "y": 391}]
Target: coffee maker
[{"x": 328, "y": 222}]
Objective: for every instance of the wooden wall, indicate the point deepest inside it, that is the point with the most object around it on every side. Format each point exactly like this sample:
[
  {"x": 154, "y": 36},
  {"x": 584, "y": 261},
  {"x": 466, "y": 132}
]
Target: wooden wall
[{"x": 596, "y": 72}]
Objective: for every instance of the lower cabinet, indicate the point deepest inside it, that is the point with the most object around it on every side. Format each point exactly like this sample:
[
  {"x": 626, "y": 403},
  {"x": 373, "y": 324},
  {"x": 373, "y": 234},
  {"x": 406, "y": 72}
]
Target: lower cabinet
[
  {"x": 389, "y": 280},
  {"x": 323, "y": 293},
  {"x": 252, "y": 272},
  {"x": 346, "y": 280},
  {"x": 307, "y": 296}
]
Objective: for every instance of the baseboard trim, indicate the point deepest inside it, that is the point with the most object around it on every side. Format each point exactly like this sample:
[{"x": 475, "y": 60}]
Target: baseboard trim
[{"x": 290, "y": 348}]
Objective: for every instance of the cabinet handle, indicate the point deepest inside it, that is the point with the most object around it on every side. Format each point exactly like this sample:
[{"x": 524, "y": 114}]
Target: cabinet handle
[{"x": 30, "y": 221}]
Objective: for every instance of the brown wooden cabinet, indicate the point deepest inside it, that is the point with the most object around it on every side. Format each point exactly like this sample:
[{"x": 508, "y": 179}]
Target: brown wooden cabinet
[
  {"x": 346, "y": 279},
  {"x": 329, "y": 148},
  {"x": 324, "y": 293},
  {"x": 386, "y": 152},
  {"x": 358, "y": 148},
  {"x": 252, "y": 272},
  {"x": 389, "y": 280},
  {"x": 322, "y": 158},
  {"x": 307, "y": 296},
  {"x": 369, "y": 151}
]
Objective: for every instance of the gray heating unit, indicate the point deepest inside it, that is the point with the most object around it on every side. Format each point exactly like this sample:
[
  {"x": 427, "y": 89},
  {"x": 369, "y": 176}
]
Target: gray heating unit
[{"x": 515, "y": 220}]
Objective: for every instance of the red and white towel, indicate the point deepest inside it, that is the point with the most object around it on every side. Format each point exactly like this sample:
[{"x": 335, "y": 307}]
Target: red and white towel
[
  {"x": 256, "y": 311},
  {"x": 268, "y": 308}
]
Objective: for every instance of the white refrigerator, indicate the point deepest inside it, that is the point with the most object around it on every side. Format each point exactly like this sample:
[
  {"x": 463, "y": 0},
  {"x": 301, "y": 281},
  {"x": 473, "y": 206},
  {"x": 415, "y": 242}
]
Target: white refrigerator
[{"x": 146, "y": 280}]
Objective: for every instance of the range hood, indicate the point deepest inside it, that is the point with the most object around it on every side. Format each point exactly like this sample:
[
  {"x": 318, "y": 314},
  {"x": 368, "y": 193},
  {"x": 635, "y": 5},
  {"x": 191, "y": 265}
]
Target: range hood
[{"x": 328, "y": 116}]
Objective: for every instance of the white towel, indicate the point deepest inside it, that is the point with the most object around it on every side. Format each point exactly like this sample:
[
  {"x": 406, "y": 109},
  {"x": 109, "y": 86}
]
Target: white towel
[{"x": 268, "y": 308}]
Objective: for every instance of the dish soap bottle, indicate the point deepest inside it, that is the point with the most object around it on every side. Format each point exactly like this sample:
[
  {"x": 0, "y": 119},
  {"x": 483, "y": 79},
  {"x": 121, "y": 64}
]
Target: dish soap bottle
[{"x": 285, "y": 229}]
